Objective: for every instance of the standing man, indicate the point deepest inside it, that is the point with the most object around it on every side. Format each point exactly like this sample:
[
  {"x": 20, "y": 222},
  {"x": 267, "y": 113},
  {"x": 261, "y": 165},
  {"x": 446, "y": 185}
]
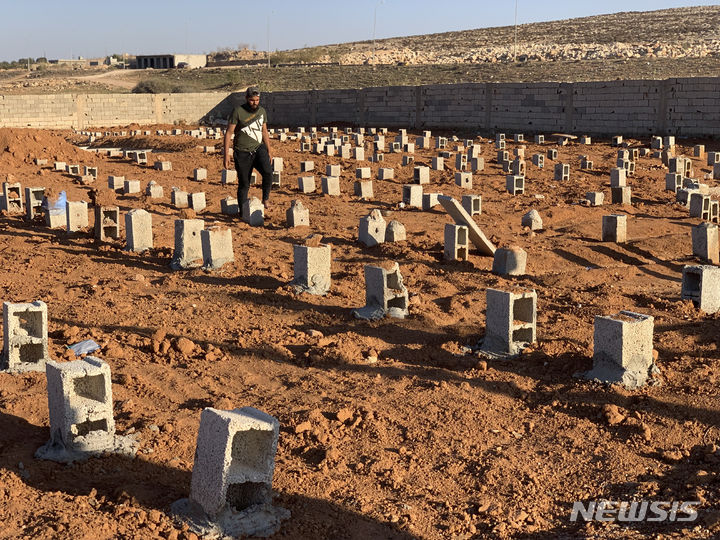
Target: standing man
[{"x": 252, "y": 145}]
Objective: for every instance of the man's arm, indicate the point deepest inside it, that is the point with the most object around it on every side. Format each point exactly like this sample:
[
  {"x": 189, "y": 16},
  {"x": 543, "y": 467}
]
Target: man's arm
[
  {"x": 266, "y": 140},
  {"x": 228, "y": 139}
]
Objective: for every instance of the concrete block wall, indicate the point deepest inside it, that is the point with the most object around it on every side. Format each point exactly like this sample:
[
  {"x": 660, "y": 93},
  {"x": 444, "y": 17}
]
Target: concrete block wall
[{"x": 681, "y": 107}]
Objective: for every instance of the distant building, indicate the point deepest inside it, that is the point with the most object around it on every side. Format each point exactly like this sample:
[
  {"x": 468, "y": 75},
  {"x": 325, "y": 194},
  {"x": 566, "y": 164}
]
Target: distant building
[{"x": 168, "y": 61}]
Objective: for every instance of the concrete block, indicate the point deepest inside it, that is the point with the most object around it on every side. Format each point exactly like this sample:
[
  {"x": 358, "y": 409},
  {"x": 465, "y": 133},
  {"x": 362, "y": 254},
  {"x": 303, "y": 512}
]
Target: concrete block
[
  {"x": 358, "y": 154},
  {"x": 616, "y": 140},
  {"x": 430, "y": 200},
  {"x": 477, "y": 164},
  {"x": 73, "y": 170},
  {"x": 163, "y": 165},
  {"x": 456, "y": 245},
  {"x": 217, "y": 248},
  {"x": 532, "y": 220},
  {"x": 441, "y": 142},
  {"x": 138, "y": 228},
  {"x": 60, "y": 166},
  {"x": 276, "y": 179},
  {"x": 461, "y": 162},
  {"x": 517, "y": 167},
  {"x": 234, "y": 460},
  {"x": 229, "y": 206},
  {"x": 371, "y": 230},
  {"x": 699, "y": 205},
  {"x": 331, "y": 185},
  {"x": 277, "y": 164},
  {"x": 701, "y": 284},
  {"x": 705, "y": 242},
  {"x": 334, "y": 170},
  {"x": 253, "y": 212},
  {"x": 656, "y": 143},
  {"x": 586, "y": 163},
  {"x": 107, "y": 223},
  {"x": 363, "y": 189},
  {"x": 585, "y": 139},
  {"x": 437, "y": 163},
  {"x": 538, "y": 160},
  {"x": 297, "y": 215},
  {"x": 511, "y": 321},
  {"x": 622, "y": 350},
  {"x": 25, "y": 337},
  {"x": 76, "y": 213},
  {"x": 307, "y": 166},
  {"x": 715, "y": 211},
  {"x": 621, "y": 195},
  {"x": 12, "y": 201},
  {"x": 514, "y": 184},
  {"x": 386, "y": 174},
  {"x": 472, "y": 204},
  {"x": 116, "y": 182},
  {"x": 80, "y": 405},
  {"x": 377, "y": 158},
  {"x": 673, "y": 182},
  {"x": 614, "y": 228},
  {"x": 596, "y": 198},
  {"x": 509, "y": 261},
  {"x": 385, "y": 293},
  {"x": 90, "y": 171},
  {"x": 199, "y": 174},
  {"x": 421, "y": 175},
  {"x": 197, "y": 201},
  {"x": 33, "y": 202},
  {"x": 503, "y": 156},
  {"x": 154, "y": 190},
  {"x": 131, "y": 186},
  {"x": 552, "y": 154},
  {"x": 539, "y": 139},
  {"x": 362, "y": 172},
  {"x": 188, "y": 244},
  {"x": 713, "y": 158},
  {"x": 228, "y": 176},
  {"x": 463, "y": 179},
  {"x": 412, "y": 195},
  {"x": 179, "y": 198},
  {"x": 683, "y": 195},
  {"x": 306, "y": 184},
  {"x": 395, "y": 232},
  {"x": 312, "y": 268},
  {"x": 562, "y": 171}
]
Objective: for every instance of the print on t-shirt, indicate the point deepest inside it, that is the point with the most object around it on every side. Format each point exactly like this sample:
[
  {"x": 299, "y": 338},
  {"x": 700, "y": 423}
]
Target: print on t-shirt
[{"x": 254, "y": 129}]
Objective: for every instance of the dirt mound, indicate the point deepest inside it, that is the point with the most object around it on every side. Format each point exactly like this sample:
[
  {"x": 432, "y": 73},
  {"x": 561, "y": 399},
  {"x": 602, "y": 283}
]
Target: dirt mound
[{"x": 24, "y": 145}]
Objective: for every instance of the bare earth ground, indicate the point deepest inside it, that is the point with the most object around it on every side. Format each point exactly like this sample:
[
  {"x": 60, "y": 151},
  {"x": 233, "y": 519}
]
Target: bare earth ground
[{"x": 434, "y": 443}]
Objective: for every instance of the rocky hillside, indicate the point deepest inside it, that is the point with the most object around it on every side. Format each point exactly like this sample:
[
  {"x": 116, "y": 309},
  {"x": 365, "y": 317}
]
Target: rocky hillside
[{"x": 672, "y": 33}]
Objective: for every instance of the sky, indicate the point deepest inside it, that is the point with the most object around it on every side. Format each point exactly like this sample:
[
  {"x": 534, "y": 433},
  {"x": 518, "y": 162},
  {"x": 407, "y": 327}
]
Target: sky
[{"x": 72, "y": 28}]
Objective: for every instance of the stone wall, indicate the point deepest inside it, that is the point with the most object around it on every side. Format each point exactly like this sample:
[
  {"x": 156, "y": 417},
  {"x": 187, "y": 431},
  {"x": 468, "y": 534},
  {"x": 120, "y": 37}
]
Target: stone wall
[{"x": 684, "y": 107}]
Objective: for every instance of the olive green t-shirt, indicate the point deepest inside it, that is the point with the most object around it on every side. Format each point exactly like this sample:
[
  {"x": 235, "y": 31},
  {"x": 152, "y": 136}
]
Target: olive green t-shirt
[{"x": 248, "y": 127}]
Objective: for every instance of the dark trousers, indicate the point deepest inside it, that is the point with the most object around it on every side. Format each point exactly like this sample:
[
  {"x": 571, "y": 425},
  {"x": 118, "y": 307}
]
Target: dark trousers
[{"x": 245, "y": 162}]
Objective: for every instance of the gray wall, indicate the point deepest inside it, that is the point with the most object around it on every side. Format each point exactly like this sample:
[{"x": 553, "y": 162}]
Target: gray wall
[{"x": 685, "y": 107}]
